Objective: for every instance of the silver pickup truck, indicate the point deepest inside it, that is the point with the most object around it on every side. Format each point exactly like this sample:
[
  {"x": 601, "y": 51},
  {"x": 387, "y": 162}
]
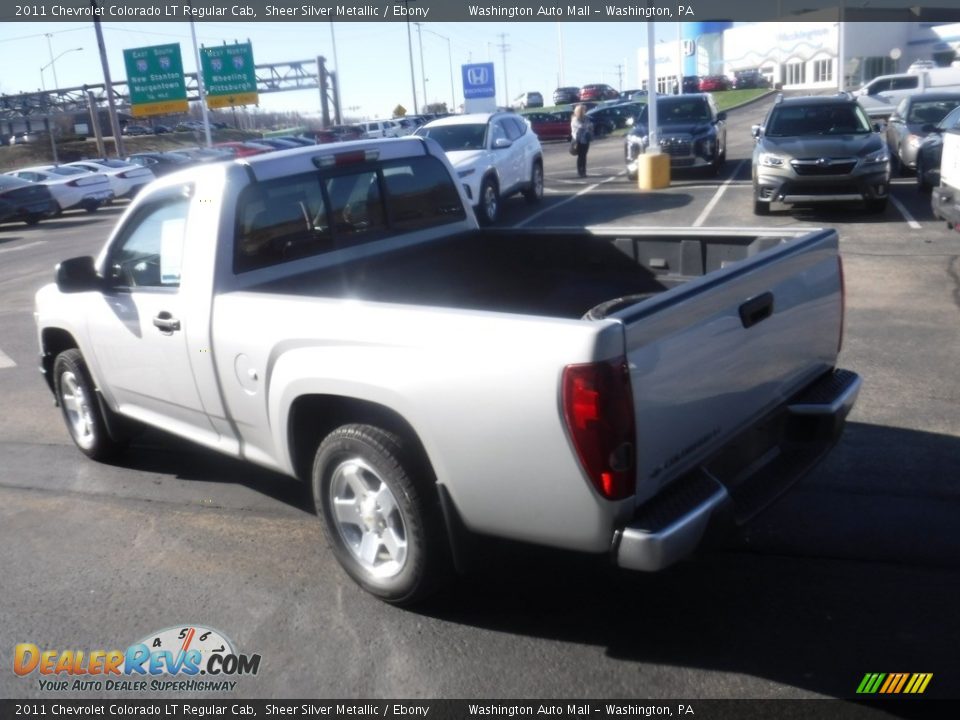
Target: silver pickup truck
[{"x": 335, "y": 313}]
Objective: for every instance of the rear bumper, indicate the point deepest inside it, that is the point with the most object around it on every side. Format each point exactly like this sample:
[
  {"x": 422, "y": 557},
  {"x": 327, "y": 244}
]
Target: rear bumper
[{"x": 744, "y": 478}]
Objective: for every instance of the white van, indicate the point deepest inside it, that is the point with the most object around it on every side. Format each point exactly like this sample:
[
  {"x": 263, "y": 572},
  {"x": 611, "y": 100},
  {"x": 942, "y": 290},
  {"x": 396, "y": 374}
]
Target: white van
[
  {"x": 380, "y": 128},
  {"x": 880, "y": 96}
]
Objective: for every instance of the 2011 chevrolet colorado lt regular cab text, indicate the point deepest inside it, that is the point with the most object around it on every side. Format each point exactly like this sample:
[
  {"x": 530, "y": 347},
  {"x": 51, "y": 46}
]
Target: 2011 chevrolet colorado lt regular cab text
[{"x": 335, "y": 313}]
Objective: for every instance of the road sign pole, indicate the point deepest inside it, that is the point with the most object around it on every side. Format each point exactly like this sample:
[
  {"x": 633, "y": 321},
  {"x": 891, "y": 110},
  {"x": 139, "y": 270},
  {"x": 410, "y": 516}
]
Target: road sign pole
[{"x": 203, "y": 96}]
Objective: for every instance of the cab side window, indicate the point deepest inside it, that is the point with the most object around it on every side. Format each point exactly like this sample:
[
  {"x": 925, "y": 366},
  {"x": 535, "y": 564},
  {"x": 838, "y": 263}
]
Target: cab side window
[{"x": 150, "y": 251}]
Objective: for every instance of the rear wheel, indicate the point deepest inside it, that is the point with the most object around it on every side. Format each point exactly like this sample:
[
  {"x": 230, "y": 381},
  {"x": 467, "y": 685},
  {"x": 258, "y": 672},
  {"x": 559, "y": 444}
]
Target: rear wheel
[
  {"x": 381, "y": 513},
  {"x": 33, "y": 219}
]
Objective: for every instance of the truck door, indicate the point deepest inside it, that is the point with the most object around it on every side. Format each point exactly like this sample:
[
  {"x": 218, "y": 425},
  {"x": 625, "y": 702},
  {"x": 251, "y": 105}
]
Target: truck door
[{"x": 141, "y": 345}]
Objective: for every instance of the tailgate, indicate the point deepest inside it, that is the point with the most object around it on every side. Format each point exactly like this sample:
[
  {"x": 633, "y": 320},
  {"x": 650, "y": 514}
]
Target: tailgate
[{"x": 713, "y": 355}]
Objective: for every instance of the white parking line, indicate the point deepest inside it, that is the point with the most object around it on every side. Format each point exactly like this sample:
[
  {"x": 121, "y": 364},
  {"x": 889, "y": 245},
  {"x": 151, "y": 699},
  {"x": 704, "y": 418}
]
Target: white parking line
[
  {"x": 702, "y": 218},
  {"x": 569, "y": 199},
  {"x": 21, "y": 247},
  {"x": 906, "y": 213},
  {"x": 6, "y": 361}
]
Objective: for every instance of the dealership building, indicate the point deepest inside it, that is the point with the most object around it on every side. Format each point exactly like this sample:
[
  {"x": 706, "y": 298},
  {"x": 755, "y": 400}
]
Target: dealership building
[{"x": 804, "y": 55}]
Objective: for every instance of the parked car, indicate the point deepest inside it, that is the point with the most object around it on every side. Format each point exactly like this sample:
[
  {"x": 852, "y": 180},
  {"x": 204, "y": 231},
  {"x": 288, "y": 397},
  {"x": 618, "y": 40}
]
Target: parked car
[
  {"x": 817, "y": 149},
  {"x": 549, "y": 125},
  {"x": 630, "y": 95},
  {"x": 71, "y": 187},
  {"x": 277, "y": 143},
  {"x": 298, "y": 140},
  {"x": 191, "y": 126},
  {"x": 714, "y": 83},
  {"x": 348, "y": 132},
  {"x": 126, "y": 179},
  {"x": 237, "y": 148},
  {"x": 379, "y": 128},
  {"x": 566, "y": 95},
  {"x": 598, "y": 92},
  {"x": 930, "y": 152},
  {"x": 690, "y": 84},
  {"x": 614, "y": 117},
  {"x": 693, "y": 132},
  {"x": 25, "y": 200},
  {"x": 159, "y": 129},
  {"x": 750, "y": 78},
  {"x": 881, "y": 95},
  {"x": 528, "y": 100},
  {"x": 136, "y": 130},
  {"x": 494, "y": 154},
  {"x": 914, "y": 118},
  {"x": 159, "y": 163}
]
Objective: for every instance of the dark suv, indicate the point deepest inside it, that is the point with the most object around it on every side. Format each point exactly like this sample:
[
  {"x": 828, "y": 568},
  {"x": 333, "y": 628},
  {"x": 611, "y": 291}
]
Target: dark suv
[
  {"x": 692, "y": 132},
  {"x": 819, "y": 149}
]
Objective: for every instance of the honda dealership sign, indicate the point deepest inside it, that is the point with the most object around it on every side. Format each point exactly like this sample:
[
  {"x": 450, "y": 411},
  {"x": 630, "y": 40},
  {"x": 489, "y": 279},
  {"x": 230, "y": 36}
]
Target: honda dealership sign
[{"x": 479, "y": 91}]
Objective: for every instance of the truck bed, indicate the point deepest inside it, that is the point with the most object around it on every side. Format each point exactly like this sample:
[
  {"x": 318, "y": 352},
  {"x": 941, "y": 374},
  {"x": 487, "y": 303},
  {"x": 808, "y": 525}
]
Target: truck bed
[{"x": 553, "y": 273}]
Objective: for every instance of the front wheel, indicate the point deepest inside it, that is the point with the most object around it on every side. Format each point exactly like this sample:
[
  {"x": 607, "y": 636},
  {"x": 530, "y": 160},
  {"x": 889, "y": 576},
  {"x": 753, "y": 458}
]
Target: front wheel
[
  {"x": 489, "y": 208},
  {"x": 81, "y": 409},
  {"x": 381, "y": 513},
  {"x": 534, "y": 193}
]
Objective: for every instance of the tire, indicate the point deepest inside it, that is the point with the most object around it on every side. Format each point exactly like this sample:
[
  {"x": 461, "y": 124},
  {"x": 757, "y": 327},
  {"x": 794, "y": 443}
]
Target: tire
[
  {"x": 876, "y": 207},
  {"x": 82, "y": 412},
  {"x": 91, "y": 208},
  {"x": 896, "y": 166},
  {"x": 489, "y": 208},
  {"x": 33, "y": 219},
  {"x": 381, "y": 514},
  {"x": 760, "y": 207},
  {"x": 534, "y": 193},
  {"x": 923, "y": 185}
]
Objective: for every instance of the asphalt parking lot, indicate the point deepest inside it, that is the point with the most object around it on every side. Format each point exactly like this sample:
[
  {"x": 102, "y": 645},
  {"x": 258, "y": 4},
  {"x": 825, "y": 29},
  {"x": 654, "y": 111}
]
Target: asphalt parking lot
[{"x": 856, "y": 570}]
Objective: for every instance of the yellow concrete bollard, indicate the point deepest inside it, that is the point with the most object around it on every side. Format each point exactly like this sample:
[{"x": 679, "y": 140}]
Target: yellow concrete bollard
[{"x": 653, "y": 171}]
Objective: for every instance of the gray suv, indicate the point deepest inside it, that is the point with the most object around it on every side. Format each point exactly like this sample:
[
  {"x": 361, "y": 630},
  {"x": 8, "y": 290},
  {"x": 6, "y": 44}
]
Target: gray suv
[{"x": 819, "y": 149}]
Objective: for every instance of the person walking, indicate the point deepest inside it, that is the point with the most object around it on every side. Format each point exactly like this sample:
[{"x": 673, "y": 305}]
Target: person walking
[{"x": 581, "y": 130}]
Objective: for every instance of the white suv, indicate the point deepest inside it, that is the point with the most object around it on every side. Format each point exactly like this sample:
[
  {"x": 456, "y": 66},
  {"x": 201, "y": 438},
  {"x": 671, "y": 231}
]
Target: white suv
[{"x": 494, "y": 154}]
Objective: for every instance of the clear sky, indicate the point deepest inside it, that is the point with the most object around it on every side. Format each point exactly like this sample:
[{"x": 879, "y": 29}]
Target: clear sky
[{"x": 374, "y": 63}]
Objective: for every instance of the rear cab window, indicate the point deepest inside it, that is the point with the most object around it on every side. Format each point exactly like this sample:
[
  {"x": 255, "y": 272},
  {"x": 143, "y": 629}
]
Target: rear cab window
[{"x": 303, "y": 215}]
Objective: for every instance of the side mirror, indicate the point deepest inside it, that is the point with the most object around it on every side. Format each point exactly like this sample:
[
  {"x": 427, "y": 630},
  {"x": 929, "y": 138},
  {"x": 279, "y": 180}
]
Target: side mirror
[
  {"x": 877, "y": 127},
  {"x": 501, "y": 143},
  {"x": 755, "y": 131},
  {"x": 77, "y": 275},
  {"x": 721, "y": 116}
]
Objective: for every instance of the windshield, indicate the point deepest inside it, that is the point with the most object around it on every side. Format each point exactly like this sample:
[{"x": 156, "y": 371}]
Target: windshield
[
  {"x": 929, "y": 112},
  {"x": 795, "y": 120},
  {"x": 457, "y": 137},
  {"x": 62, "y": 170}
]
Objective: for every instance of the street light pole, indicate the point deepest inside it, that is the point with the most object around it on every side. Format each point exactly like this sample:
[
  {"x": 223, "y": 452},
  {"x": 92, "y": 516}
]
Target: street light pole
[
  {"x": 56, "y": 85},
  {"x": 413, "y": 78},
  {"x": 453, "y": 94}
]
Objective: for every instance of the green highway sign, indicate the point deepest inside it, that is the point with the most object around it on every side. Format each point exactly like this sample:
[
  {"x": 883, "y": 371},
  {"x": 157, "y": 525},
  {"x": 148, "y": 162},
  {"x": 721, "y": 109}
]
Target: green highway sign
[
  {"x": 155, "y": 80},
  {"x": 229, "y": 78}
]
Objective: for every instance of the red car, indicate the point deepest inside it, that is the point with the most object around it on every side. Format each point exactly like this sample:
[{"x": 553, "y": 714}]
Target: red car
[
  {"x": 550, "y": 126},
  {"x": 598, "y": 92},
  {"x": 714, "y": 83},
  {"x": 243, "y": 149}
]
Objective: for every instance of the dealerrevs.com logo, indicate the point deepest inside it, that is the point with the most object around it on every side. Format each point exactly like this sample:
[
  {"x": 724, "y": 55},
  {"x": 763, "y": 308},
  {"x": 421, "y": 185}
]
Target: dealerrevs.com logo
[{"x": 178, "y": 659}]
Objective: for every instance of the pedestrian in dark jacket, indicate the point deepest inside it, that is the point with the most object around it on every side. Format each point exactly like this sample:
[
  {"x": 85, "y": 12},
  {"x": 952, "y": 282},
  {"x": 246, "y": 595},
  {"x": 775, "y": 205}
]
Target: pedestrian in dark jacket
[{"x": 581, "y": 130}]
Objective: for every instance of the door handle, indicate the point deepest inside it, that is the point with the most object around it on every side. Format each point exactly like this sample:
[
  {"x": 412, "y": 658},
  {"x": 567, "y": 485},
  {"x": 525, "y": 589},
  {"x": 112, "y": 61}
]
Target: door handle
[
  {"x": 166, "y": 322},
  {"x": 756, "y": 309}
]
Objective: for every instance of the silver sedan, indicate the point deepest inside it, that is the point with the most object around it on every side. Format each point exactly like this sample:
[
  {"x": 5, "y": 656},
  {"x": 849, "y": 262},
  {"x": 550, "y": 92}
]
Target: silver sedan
[{"x": 915, "y": 117}]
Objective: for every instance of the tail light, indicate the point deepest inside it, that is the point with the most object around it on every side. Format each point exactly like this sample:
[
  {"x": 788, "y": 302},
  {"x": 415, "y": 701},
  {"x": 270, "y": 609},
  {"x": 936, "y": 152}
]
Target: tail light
[
  {"x": 598, "y": 409},
  {"x": 843, "y": 303}
]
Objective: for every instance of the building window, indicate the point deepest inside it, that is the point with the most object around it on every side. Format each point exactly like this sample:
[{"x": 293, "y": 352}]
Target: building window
[
  {"x": 822, "y": 71},
  {"x": 796, "y": 73}
]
